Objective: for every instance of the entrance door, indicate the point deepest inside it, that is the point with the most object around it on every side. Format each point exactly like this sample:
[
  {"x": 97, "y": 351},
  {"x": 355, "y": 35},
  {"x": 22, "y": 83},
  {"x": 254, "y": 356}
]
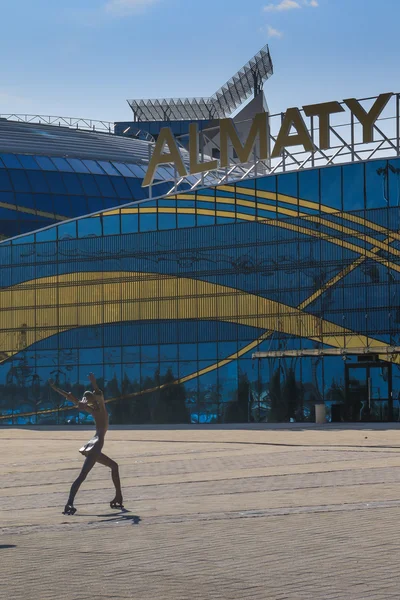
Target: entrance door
[{"x": 369, "y": 392}]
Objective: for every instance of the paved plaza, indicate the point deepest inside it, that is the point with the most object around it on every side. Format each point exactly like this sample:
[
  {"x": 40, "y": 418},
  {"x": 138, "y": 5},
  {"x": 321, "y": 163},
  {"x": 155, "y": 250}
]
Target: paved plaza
[{"x": 257, "y": 512}]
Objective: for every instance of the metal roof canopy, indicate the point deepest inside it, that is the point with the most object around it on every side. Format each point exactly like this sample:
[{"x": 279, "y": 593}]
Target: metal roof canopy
[
  {"x": 222, "y": 103},
  {"x": 389, "y": 350}
]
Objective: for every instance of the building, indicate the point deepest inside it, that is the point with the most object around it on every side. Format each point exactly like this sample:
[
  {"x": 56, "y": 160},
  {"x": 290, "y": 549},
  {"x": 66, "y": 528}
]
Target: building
[{"x": 244, "y": 293}]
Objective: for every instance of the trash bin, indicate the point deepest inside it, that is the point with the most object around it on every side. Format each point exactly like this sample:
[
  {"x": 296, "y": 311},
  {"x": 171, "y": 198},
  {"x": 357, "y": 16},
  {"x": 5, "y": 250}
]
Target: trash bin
[
  {"x": 336, "y": 413},
  {"x": 320, "y": 414}
]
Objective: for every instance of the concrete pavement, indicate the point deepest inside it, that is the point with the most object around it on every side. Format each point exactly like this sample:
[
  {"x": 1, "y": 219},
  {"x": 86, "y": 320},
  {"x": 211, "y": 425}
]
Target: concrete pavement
[{"x": 254, "y": 512}]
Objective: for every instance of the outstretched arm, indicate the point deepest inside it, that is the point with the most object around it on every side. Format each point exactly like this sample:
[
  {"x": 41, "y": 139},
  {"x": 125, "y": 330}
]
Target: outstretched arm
[
  {"x": 67, "y": 395},
  {"x": 81, "y": 404},
  {"x": 93, "y": 381}
]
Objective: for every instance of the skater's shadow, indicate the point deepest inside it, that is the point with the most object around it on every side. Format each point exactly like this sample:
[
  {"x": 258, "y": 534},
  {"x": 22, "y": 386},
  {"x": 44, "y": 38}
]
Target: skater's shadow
[
  {"x": 123, "y": 515},
  {"x": 5, "y": 546}
]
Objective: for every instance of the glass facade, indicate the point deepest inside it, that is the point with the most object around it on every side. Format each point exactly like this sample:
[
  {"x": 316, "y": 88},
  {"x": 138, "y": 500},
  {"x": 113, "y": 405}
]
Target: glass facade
[
  {"x": 166, "y": 301},
  {"x": 37, "y": 191}
]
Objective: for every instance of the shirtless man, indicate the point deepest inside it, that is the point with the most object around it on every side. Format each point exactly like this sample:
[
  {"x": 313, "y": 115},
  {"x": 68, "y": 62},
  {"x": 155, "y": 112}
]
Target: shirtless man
[{"x": 93, "y": 403}]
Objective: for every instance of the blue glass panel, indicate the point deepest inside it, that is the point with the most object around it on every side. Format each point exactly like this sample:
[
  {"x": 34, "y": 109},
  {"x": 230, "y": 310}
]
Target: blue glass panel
[
  {"x": 93, "y": 167},
  {"x": 188, "y": 352},
  {"x": 121, "y": 188},
  {"x": 72, "y": 183},
  {"x": 8, "y": 197},
  {"x": 205, "y": 220},
  {"x": 36, "y": 223},
  {"x": 169, "y": 352},
  {"x": 207, "y": 350},
  {"x": 67, "y": 230},
  {"x": 78, "y": 205},
  {"x": 26, "y": 239},
  {"x": 123, "y": 169},
  {"x": 78, "y": 165},
  {"x": 228, "y": 383},
  {"x": 169, "y": 172},
  {"x": 46, "y": 235},
  {"x": 131, "y": 354},
  {"x": 61, "y": 205},
  {"x": 38, "y": 181},
  {"x": 110, "y": 203},
  {"x": 166, "y": 221},
  {"x": 109, "y": 169},
  {"x": 377, "y": 183},
  {"x": 163, "y": 174},
  {"x": 2, "y": 165},
  {"x": 331, "y": 187},
  {"x": 137, "y": 191},
  {"x": 28, "y": 162},
  {"x": 5, "y": 183},
  {"x": 231, "y": 208},
  {"x": 199, "y": 205},
  {"x": 106, "y": 189},
  {"x": 89, "y": 227},
  {"x": 394, "y": 182},
  {"x": 224, "y": 220},
  {"x": 148, "y": 374},
  {"x": 27, "y": 200},
  {"x": 112, "y": 379},
  {"x": 353, "y": 187},
  {"x": 11, "y": 161},
  {"x": 171, "y": 202},
  {"x": 137, "y": 170},
  {"x": 89, "y": 185},
  {"x": 187, "y": 367},
  {"x": 112, "y": 354},
  {"x": 111, "y": 225},
  {"x": 62, "y": 164},
  {"x": 226, "y": 349},
  {"x": 129, "y": 223},
  {"x": 309, "y": 185},
  {"x": 186, "y": 221},
  {"x": 287, "y": 184},
  {"x": 9, "y": 228},
  {"x": 44, "y": 202},
  {"x": 149, "y": 353},
  {"x": 56, "y": 182},
  {"x": 94, "y": 204},
  {"x": 45, "y": 163},
  {"x": 266, "y": 214},
  {"x": 148, "y": 222}
]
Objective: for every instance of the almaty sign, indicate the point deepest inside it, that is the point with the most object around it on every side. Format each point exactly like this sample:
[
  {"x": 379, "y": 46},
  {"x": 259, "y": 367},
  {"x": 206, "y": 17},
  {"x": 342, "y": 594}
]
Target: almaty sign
[{"x": 259, "y": 130}]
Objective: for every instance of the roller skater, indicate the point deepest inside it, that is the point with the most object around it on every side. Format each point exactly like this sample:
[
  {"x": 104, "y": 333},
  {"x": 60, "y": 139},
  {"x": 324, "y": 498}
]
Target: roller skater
[{"x": 93, "y": 403}]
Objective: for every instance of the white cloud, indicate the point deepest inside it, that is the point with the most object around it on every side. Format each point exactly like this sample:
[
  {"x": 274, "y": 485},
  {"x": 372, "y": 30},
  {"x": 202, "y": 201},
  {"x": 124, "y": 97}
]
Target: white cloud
[
  {"x": 289, "y": 5},
  {"x": 283, "y": 5},
  {"x": 271, "y": 32},
  {"x": 121, "y": 8}
]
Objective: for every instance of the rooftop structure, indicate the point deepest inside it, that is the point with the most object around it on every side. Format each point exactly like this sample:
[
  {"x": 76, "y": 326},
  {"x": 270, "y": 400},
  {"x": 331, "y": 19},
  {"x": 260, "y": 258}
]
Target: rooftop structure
[{"x": 247, "y": 81}]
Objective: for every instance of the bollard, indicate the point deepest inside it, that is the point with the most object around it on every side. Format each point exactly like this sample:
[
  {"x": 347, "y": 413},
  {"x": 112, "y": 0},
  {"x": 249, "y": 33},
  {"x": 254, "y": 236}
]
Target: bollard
[{"x": 320, "y": 413}]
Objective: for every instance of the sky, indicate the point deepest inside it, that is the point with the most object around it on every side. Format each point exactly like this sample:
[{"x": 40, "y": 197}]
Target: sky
[{"x": 84, "y": 58}]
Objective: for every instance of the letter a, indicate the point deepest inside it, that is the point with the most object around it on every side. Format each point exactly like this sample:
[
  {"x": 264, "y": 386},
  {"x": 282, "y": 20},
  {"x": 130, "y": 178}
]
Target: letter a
[
  {"x": 159, "y": 158},
  {"x": 291, "y": 119}
]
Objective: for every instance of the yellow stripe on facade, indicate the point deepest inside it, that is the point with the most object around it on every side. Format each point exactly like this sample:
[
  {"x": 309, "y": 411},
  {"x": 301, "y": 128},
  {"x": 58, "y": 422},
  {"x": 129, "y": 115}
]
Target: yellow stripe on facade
[
  {"x": 50, "y": 305},
  {"x": 314, "y": 206},
  {"x": 32, "y": 211},
  {"x": 300, "y": 229},
  {"x": 385, "y": 245}
]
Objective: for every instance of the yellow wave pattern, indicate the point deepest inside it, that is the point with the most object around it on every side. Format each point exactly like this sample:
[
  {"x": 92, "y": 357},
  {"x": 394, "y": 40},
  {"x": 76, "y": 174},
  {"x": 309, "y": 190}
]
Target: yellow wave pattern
[{"x": 341, "y": 337}]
